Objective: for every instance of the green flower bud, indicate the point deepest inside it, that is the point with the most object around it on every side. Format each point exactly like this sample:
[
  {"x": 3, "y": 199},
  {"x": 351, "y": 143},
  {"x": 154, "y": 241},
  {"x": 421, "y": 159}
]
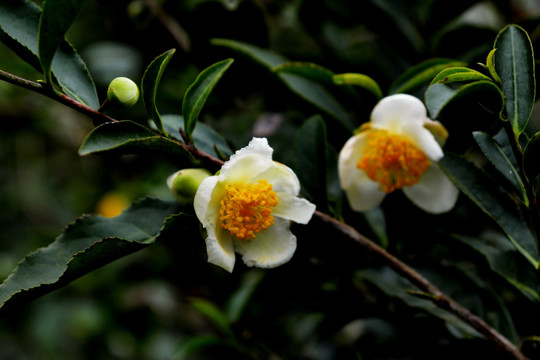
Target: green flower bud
[
  {"x": 184, "y": 184},
  {"x": 123, "y": 91}
]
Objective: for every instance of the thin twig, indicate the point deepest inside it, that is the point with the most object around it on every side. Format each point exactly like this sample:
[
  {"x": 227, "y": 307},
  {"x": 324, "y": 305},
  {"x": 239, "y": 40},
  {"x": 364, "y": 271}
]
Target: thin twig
[
  {"x": 47, "y": 90},
  {"x": 438, "y": 297}
]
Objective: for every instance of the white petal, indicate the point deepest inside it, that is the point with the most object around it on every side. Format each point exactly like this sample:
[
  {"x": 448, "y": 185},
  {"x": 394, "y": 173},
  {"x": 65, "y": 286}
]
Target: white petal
[
  {"x": 394, "y": 110},
  {"x": 293, "y": 208},
  {"x": 362, "y": 192},
  {"x": 424, "y": 140},
  {"x": 247, "y": 162},
  {"x": 272, "y": 247},
  {"x": 282, "y": 178},
  {"x": 203, "y": 197},
  {"x": 435, "y": 193},
  {"x": 350, "y": 154},
  {"x": 220, "y": 252}
]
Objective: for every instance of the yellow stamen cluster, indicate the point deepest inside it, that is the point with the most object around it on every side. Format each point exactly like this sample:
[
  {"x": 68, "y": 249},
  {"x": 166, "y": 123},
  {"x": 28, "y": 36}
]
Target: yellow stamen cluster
[
  {"x": 392, "y": 160},
  {"x": 246, "y": 209}
]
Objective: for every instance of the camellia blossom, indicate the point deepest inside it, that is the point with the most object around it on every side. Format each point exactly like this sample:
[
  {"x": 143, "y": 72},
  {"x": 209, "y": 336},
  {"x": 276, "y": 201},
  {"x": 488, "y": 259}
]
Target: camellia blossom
[
  {"x": 247, "y": 208},
  {"x": 395, "y": 150}
]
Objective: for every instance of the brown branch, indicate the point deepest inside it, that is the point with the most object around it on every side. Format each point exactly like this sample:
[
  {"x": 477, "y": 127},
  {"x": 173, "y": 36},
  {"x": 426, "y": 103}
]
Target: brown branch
[
  {"x": 48, "y": 91},
  {"x": 439, "y": 298}
]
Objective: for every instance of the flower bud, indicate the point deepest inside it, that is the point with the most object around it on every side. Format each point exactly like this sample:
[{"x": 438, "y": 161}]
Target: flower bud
[
  {"x": 184, "y": 184},
  {"x": 123, "y": 91}
]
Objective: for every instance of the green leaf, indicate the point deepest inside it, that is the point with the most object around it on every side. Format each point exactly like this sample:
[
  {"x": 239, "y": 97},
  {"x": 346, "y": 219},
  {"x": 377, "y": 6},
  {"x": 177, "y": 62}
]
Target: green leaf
[
  {"x": 206, "y": 138},
  {"x": 309, "y": 90},
  {"x": 439, "y": 95},
  {"x": 198, "y": 343},
  {"x": 19, "y": 21},
  {"x": 514, "y": 63},
  {"x": 198, "y": 92},
  {"x": 85, "y": 245},
  {"x": 310, "y": 147},
  {"x": 495, "y": 154},
  {"x": 489, "y": 197},
  {"x": 504, "y": 259},
  {"x": 149, "y": 85},
  {"x": 361, "y": 80},
  {"x": 421, "y": 74},
  {"x": 56, "y": 18},
  {"x": 129, "y": 137},
  {"x": 458, "y": 74}
]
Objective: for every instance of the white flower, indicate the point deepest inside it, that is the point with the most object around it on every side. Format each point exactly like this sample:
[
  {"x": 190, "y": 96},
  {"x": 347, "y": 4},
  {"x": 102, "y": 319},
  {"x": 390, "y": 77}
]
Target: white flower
[
  {"x": 396, "y": 151},
  {"x": 247, "y": 208}
]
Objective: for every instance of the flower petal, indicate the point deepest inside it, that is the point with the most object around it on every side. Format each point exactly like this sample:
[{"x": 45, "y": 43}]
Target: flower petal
[
  {"x": 203, "y": 197},
  {"x": 362, "y": 193},
  {"x": 220, "y": 252},
  {"x": 282, "y": 178},
  {"x": 293, "y": 208},
  {"x": 247, "y": 162},
  {"x": 272, "y": 247},
  {"x": 435, "y": 193},
  {"x": 393, "y": 111},
  {"x": 424, "y": 140}
]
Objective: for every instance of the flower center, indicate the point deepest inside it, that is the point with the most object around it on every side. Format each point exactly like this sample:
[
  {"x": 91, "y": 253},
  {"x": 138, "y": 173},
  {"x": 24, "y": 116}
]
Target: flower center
[
  {"x": 246, "y": 209},
  {"x": 392, "y": 160}
]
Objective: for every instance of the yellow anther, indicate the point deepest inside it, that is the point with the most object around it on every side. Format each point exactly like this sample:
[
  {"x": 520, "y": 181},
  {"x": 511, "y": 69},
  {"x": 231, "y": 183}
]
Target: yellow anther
[
  {"x": 392, "y": 160},
  {"x": 246, "y": 209}
]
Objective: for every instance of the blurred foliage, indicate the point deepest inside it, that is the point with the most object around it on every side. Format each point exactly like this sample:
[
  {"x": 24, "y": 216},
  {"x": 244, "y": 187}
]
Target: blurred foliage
[{"x": 166, "y": 302}]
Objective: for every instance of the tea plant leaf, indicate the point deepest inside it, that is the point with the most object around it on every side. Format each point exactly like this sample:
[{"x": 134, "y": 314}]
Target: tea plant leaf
[
  {"x": 421, "y": 74},
  {"x": 309, "y": 90},
  {"x": 56, "y": 18},
  {"x": 88, "y": 243},
  {"x": 198, "y": 92},
  {"x": 128, "y": 137},
  {"x": 495, "y": 154},
  {"x": 489, "y": 197},
  {"x": 149, "y": 85},
  {"x": 514, "y": 63},
  {"x": 19, "y": 22}
]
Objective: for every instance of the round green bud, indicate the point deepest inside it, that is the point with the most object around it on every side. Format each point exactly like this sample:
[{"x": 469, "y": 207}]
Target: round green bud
[
  {"x": 123, "y": 91},
  {"x": 184, "y": 184}
]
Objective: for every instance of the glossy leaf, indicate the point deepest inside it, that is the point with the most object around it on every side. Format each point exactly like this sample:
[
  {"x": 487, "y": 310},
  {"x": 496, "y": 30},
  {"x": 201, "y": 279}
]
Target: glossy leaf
[
  {"x": 85, "y": 245},
  {"x": 198, "y": 92},
  {"x": 149, "y": 85},
  {"x": 458, "y": 74},
  {"x": 361, "y": 80},
  {"x": 309, "y": 90},
  {"x": 495, "y": 154},
  {"x": 57, "y": 16},
  {"x": 421, "y": 74},
  {"x": 439, "y": 95},
  {"x": 128, "y": 137},
  {"x": 19, "y": 21},
  {"x": 489, "y": 197},
  {"x": 514, "y": 63},
  {"x": 490, "y": 64}
]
